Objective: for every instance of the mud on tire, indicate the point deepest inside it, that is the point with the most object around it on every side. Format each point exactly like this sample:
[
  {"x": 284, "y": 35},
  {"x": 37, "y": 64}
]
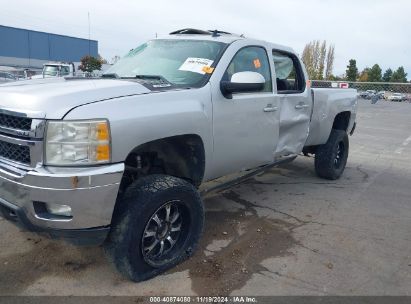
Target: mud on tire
[
  {"x": 331, "y": 158},
  {"x": 156, "y": 225}
]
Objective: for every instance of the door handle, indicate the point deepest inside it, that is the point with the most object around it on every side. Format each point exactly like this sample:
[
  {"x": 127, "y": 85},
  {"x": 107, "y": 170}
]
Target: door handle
[
  {"x": 270, "y": 108},
  {"x": 301, "y": 106}
]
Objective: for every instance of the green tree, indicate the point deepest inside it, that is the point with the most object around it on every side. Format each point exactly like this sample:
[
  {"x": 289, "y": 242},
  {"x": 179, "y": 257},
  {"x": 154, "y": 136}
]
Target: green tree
[
  {"x": 387, "y": 75},
  {"x": 352, "y": 70},
  {"x": 89, "y": 64},
  {"x": 374, "y": 74},
  {"x": 399, "y": 75}
]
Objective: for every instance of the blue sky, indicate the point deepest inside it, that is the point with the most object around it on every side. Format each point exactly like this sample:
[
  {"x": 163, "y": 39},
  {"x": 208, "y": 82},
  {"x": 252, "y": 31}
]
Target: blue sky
[{"x": 369, "y": 31}]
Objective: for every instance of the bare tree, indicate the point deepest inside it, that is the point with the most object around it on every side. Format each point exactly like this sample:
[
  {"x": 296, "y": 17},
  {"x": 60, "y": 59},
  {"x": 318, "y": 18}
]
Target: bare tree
[
  {"x": 309, "y": 59},
  {"x": 317, "y": 60},
  {"x": 330, "y": 62},
  {"x": 115, "y": 59},
  {"x": 323, "y": 52}
]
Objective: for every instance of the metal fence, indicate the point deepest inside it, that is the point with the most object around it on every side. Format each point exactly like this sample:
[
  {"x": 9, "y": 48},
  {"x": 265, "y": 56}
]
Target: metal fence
[{"x": 367, "y": 90}]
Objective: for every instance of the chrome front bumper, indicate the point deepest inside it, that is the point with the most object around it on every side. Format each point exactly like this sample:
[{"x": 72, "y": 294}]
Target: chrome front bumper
[{"x": 90, "y": 192}]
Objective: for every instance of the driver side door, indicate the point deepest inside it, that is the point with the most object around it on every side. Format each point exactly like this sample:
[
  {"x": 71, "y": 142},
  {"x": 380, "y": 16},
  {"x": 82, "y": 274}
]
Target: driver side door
[{"x": 245, "y": 126}]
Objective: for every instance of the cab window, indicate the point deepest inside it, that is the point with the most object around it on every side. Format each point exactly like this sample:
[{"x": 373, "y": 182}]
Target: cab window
[
  {"x": 251, "y": 59},
  {"x": 64, "y": 71},
  {"x": 288, "y": 73}
]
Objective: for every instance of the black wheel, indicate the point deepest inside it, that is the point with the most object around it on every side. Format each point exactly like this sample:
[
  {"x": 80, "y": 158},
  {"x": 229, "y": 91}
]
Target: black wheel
[
  {"x": 331, "y": 158},
  {"x": 155, "y": 226}
]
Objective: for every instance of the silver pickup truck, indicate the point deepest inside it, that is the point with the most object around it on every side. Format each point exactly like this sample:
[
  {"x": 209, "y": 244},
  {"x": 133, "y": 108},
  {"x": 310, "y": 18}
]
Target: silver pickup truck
[{"x": 119, "y": 160}]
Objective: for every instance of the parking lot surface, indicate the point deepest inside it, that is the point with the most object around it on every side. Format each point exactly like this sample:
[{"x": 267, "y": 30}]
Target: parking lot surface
[{"x": 284, "y": 232}]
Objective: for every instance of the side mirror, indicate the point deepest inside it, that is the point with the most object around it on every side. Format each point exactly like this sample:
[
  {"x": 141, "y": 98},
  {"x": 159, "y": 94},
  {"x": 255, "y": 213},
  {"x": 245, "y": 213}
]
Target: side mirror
[{"x": 242, "y": 82}]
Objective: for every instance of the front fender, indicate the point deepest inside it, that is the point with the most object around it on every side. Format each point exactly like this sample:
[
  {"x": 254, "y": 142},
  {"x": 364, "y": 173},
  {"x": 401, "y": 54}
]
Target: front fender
[{"x": 136, "y": 120}]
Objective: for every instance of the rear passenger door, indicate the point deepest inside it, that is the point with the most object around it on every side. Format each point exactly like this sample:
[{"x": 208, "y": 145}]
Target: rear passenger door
[{"x": 295, "y": 103}]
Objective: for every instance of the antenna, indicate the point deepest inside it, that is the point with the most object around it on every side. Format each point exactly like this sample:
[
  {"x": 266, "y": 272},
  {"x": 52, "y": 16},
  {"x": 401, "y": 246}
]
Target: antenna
[{"x": 88, "y": 16}]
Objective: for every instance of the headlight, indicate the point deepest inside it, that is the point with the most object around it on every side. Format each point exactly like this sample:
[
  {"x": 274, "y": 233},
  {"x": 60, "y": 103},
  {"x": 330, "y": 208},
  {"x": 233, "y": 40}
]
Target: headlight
[{"x": 77, "y": 142}]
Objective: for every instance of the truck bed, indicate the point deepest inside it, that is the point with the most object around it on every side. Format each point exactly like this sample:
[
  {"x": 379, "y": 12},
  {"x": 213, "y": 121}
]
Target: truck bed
[{"x": 327, "y": 103}]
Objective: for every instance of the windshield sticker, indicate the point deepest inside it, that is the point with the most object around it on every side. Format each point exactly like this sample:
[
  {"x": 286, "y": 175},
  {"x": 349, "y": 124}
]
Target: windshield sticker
[
  {"x": 196, "y": 65},
  {"x": 208, "y": 70}
]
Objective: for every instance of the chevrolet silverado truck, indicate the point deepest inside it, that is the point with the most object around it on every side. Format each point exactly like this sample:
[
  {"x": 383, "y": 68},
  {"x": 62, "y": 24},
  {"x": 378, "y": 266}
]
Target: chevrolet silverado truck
[{"x": 119, "y": 160}]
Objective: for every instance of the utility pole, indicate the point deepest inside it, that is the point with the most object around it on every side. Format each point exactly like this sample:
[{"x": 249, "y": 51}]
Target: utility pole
[{"x": 88, "y": 15}]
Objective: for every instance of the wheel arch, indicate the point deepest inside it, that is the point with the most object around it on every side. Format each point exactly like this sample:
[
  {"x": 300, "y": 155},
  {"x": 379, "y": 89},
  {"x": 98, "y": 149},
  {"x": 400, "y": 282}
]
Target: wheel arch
[
  {"x": 342, "y": 121},
  {"x": 182, "y": 156}
]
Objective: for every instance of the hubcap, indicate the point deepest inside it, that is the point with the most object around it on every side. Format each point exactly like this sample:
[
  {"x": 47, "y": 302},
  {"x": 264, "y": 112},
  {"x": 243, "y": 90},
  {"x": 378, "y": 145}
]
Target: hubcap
[{"x": 162, "y": 232}]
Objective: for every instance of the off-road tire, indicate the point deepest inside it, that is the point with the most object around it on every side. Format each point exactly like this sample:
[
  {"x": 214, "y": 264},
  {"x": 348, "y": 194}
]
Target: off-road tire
[
  {"x": 132, "y": 215},
  {"x": 326, "y": 164}
]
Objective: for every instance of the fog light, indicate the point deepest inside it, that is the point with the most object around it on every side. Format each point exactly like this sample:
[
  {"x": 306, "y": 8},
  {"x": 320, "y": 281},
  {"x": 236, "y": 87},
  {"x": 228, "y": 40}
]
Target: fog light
[{"x": 60, "y": 210}]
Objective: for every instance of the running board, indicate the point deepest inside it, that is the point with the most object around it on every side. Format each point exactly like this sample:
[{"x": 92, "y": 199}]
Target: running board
[{"x": 240, "y": 179}]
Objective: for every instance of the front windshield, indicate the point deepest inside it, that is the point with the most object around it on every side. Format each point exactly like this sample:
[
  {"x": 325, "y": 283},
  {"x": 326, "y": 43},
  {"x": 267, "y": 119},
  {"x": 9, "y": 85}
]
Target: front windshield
[
  {"x": 50, "y": 70},
  {"x": 180, "y": 62}
]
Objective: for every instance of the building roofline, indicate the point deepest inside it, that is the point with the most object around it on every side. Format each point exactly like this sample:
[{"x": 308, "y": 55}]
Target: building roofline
[{"x": 41, "y": 32}]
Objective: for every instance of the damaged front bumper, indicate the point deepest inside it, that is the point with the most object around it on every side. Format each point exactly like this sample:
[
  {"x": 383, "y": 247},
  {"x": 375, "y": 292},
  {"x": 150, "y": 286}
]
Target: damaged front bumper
[{"x": 89, "y": 193}]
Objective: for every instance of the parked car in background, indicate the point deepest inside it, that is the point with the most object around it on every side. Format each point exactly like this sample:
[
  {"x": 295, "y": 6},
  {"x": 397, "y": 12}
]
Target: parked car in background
[
  {"x": 368, "y": 94},
  {"x": 57, "y": 69},
  {"x": 397, "y": 97},
  {"x": 381, "y": 94},
  {"x": 7, "y": 77}
]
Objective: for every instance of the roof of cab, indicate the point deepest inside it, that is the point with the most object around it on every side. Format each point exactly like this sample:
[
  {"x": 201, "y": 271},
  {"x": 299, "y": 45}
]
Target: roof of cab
[{"x": 221, "y": 36}]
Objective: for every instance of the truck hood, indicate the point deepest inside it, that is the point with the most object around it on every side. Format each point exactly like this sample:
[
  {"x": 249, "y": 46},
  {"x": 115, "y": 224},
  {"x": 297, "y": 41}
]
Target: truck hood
[{"x": 52, "y": 98}]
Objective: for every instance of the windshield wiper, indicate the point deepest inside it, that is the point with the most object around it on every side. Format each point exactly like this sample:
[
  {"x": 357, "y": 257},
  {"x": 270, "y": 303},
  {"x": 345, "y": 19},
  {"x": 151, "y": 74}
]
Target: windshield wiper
[
  {"x": 158, "y": 79},
  {"x": 110, "y": 75},
  {"x": 149, "y": 77}
]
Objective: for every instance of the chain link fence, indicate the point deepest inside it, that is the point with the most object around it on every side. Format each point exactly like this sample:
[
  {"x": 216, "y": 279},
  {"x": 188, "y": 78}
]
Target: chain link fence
[{"x": 370, "y": 90}]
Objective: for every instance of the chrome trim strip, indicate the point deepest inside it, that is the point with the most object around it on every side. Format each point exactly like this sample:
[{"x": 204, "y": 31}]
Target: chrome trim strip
[
  {"x": 18, "y": 141},
  {"x": 12, "y": 167},
  {"x": 36, "y": 130}
]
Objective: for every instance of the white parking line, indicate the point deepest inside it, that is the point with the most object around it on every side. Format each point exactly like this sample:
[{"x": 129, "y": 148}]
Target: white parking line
[{"x": 403, "y": 145}]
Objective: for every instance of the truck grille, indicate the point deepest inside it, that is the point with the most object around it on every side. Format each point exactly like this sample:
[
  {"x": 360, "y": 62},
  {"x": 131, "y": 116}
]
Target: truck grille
[
  {"x": 15, "y": 122},
  {"x": 15, "y": 152}
]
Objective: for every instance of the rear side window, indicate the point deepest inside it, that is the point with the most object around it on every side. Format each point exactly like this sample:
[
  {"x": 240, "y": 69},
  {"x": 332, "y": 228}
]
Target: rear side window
[
  {"x": 251, "y": 59},
  {"x": 289, "y": 74}
]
